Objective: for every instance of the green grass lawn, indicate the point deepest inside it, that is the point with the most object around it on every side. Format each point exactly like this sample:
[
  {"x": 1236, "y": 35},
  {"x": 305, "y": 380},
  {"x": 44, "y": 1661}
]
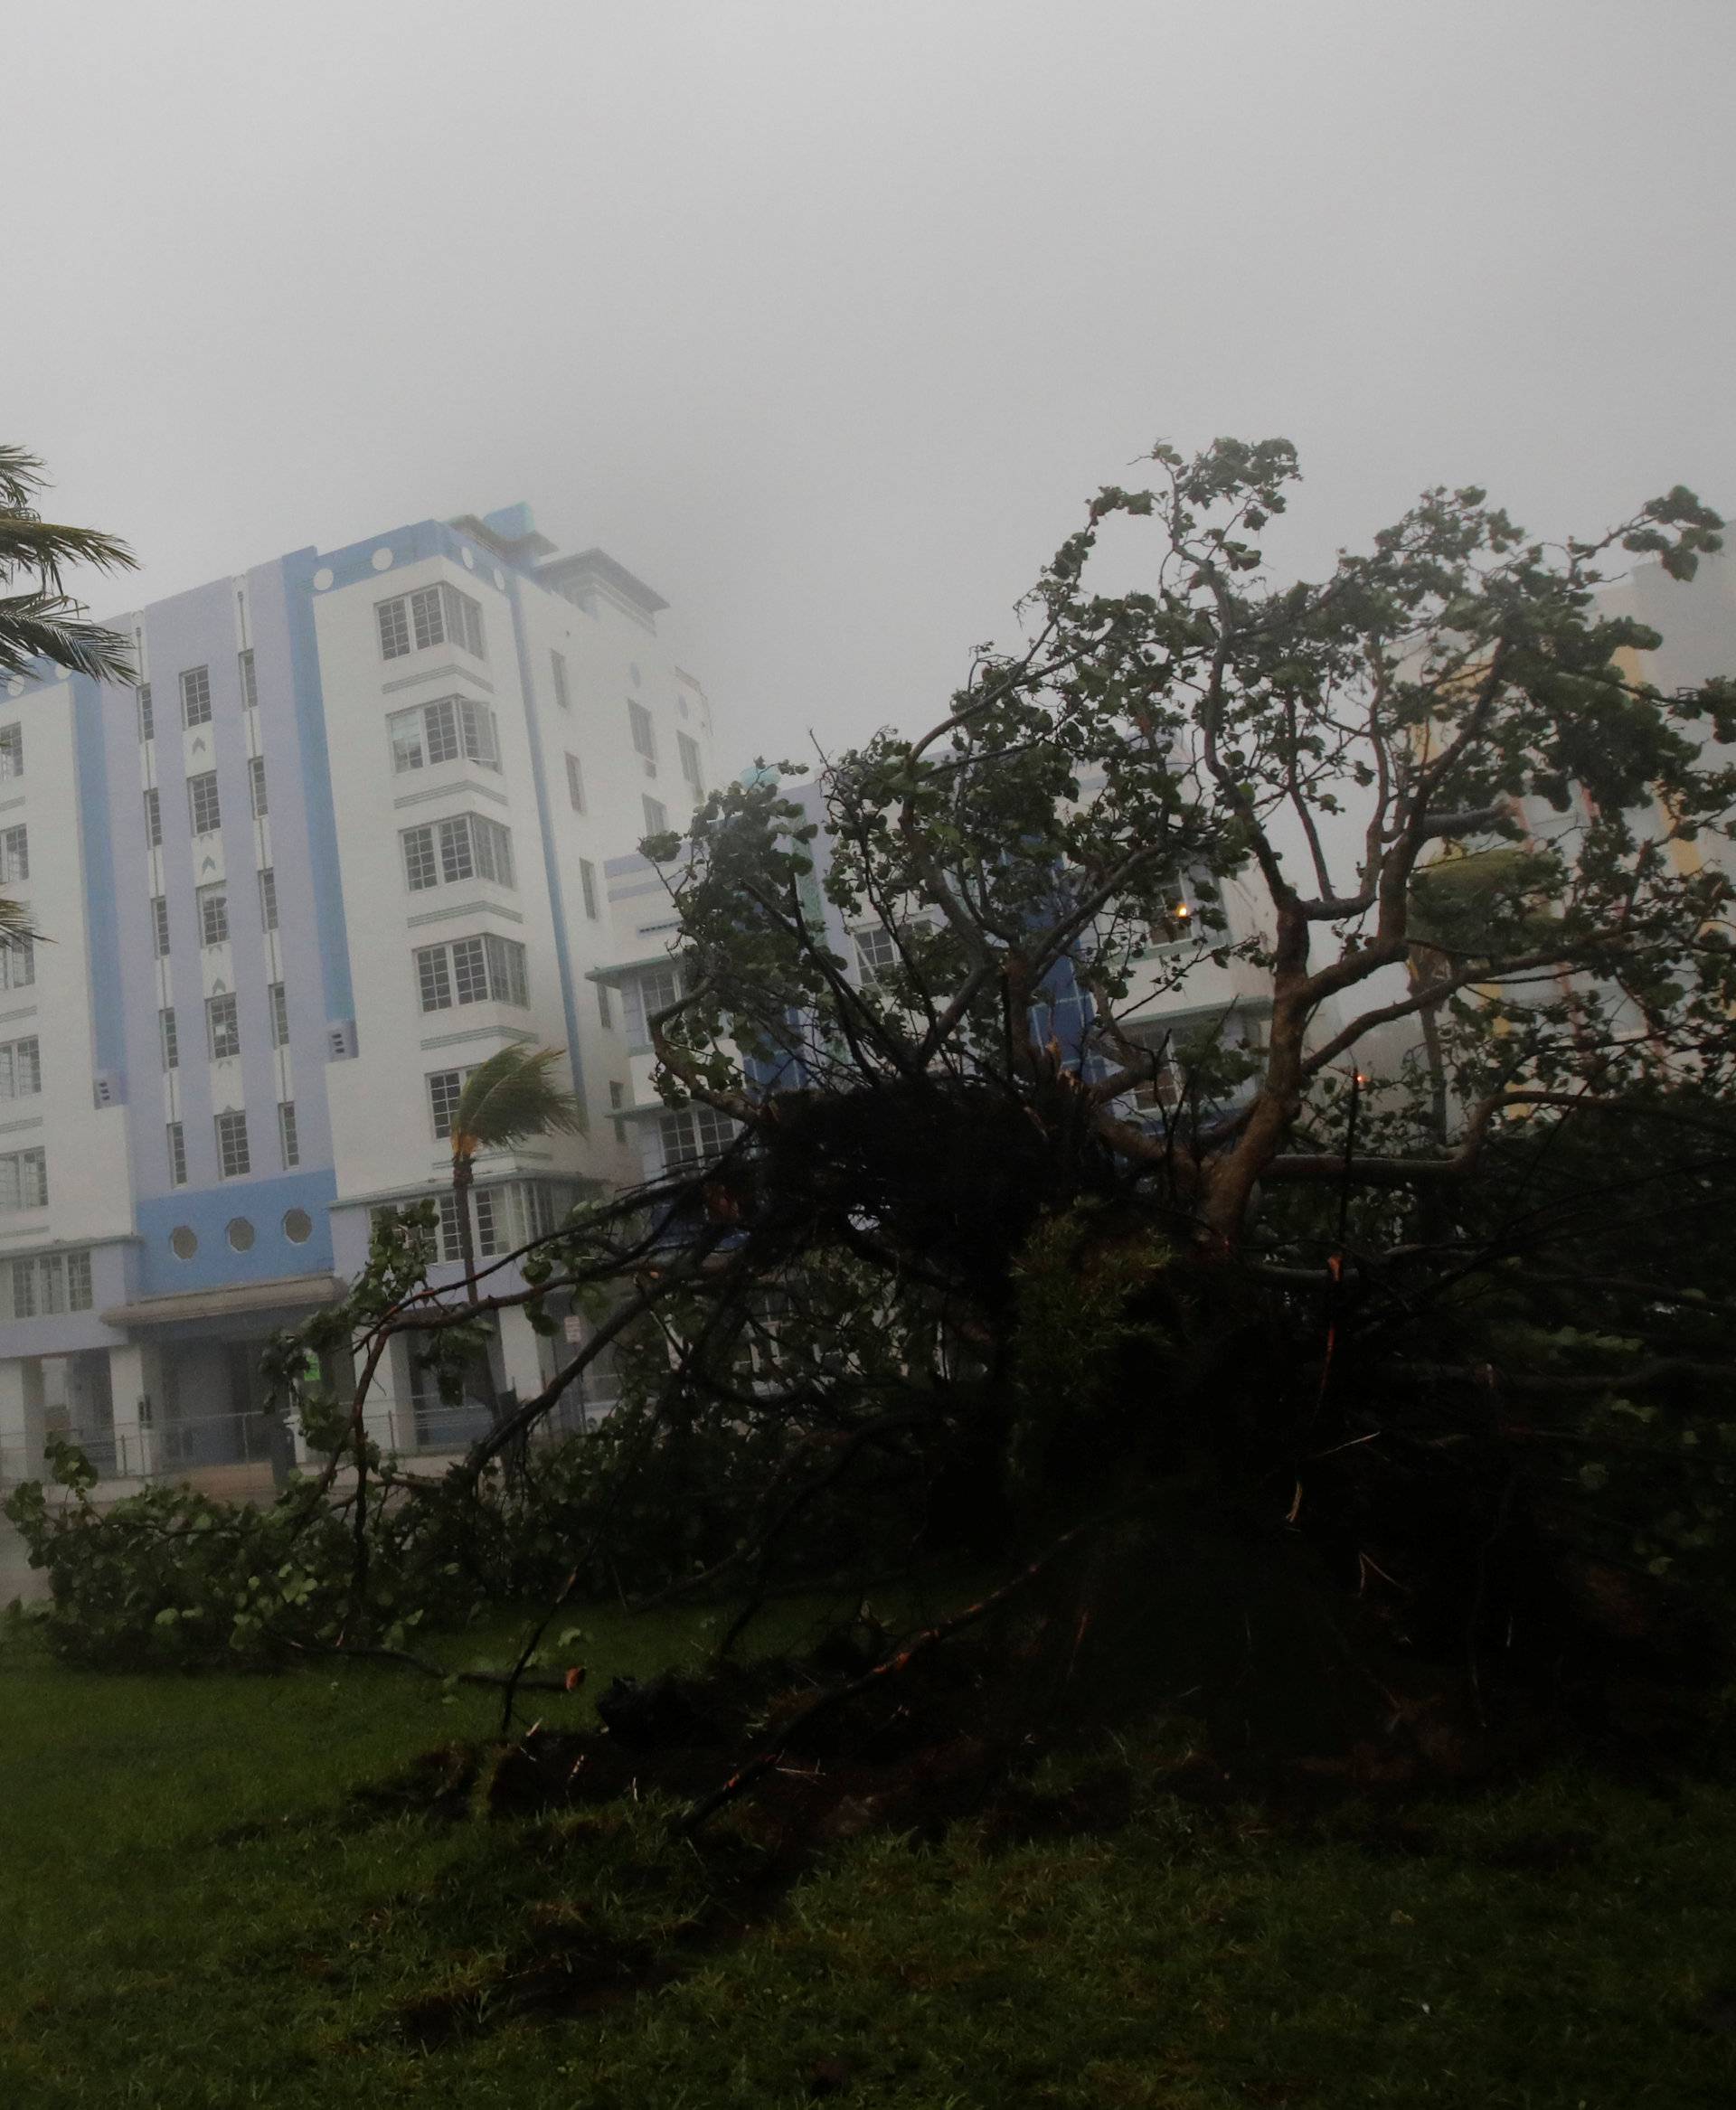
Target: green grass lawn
[{"x": 191, "y": 1914}]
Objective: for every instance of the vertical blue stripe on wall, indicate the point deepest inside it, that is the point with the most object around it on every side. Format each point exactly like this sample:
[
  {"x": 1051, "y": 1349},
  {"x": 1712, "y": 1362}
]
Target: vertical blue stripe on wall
[
  {"x": 298, "y": 575},
  {"x": 96, "y": 858}
]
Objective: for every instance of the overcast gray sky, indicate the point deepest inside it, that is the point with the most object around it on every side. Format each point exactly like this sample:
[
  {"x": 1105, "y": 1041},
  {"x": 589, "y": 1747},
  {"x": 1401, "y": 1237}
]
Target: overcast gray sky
[{"x": 825, "y": 318}]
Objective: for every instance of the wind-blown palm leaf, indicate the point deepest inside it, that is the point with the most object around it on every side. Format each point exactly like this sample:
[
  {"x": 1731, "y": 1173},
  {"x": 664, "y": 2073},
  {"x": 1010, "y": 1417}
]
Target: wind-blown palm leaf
[
  {"x": 14, "y": 921},
  {"x": 510, "y": 1095},
  {"x": 43, "y": 621}
]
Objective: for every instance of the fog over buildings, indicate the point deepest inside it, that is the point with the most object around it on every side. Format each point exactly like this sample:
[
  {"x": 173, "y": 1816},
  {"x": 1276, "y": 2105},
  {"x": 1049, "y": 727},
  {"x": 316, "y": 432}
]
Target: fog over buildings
[{"x": 827, "y": 319}]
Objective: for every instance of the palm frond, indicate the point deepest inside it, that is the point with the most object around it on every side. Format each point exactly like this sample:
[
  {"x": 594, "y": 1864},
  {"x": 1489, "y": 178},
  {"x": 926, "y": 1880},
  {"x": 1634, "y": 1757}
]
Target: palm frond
[
  {"x": 14, "y": 921},
  {"x": 46, "y": 622},
  {"x": 44, "y": 626},
  {"x": 511, "y": 1096}
]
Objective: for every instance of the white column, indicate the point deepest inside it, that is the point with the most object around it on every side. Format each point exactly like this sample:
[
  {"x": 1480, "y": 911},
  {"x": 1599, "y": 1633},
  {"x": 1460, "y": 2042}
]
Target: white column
[
  {"x": 22, "y": 1433},
  {"x": 135, "y": 1383},
  {"x": 387, "y": 1414},
  {"x": 521, "y": 1354}
]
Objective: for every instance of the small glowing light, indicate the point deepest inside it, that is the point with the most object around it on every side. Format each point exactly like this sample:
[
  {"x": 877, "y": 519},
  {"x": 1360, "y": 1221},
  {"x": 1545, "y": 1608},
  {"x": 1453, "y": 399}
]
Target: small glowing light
[{"x": 1181, "y": 911}]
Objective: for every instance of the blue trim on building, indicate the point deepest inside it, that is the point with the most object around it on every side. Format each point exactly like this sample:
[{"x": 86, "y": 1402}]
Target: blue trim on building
[
  {"x": 207, "y": 1211},
  {"x": 96, "y": 857},
  {"x": 317, "y": 784}
]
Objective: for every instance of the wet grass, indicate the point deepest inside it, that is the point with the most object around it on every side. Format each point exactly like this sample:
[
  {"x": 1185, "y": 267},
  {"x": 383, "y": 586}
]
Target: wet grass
[{"x": 201, "y": 1909}]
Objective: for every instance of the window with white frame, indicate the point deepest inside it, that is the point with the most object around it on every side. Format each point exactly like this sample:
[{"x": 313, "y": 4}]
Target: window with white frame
[
  {"x": 575, "y": 784},
  {"x": 153, "y": 817},
  {"x": 195, "y": 696},
  {"x": 11, "y": 752},
  {"x": 168, "y": 1038},
  {"x": 46, "y": 1284},
  {"x": 644, "y": 730},
  {"x": 471, "y": 970},
  {"x": 1176, "y": 920},
  {"x": 17, "y": 961},
  {"x": 14, "y": 855},
  {"x": 288, "y": 1141},
  {"x": 605, "y": 1005},
  {"x": 233, "y": 1162},
  {"x": 24, "y": 1180},
  {"x": 213, "y": 914},
  {"x": 588, "y": 888},
  {"x": 280, "y": 1001},
  {"x": 250, "y": 681},
  {"x": 877, "y": 948},
  {"x": 175, "y": 1137},
  {"x": 433, "y": 615},
  {"x": 657, "y": 816},
  {"x": 644, "y": 994},
  {"x": 146, "y": 716},
  {"x": 1160, "y": 1083},
  {"x": 503, "y": 1217},
  {"x": 692, "y": 1136},
  {"x": 687, "y": 747},
  {"x": 445, "y": 1089},
  {"x": 268, "y": 899},
  {"x": 21, "y": 1069},
  {"x": 466, "y": 846},
  {"x": 203, "y": 810},
  {"x": 160, "y": 925},
  {"x": 256, "y": 784},
  {"x": 558, "y": 668},
  {"x": 451, "y": 729},
  {"x": 223, "y": 1026}
]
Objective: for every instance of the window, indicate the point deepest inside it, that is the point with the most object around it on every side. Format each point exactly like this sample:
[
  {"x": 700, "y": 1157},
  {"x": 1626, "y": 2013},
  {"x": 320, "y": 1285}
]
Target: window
[
  {"x": 656, "y": 819},
  {"x": 203, "y": 808},
  {"x": 444, "y": 1088},
  {"x": 287, "y": 1140},
  {"x": 1174, "y": 922},
  {"x": 12, "y": 751},
  {"x": 877, "y": 951},
  {"x": 232, "y": 1160},
  {"x": 650, "y": 991},
  {"x": 177, "y": 1142},
  {"x": 465, "y": 847},
  {"x": 14, "y": 855},
  {"x": 213, "y": 914},
  {"x": 268, "y": 899},
  {"x": 279, "y": 1014},
  {"x": 617, "y": 1100},
  {"x": 249, "y": 683},
  {"x": 694, "y": 1136},
  {"x": 153, "y": 817},
  {"x": 503, "y": 1218},
  {"x": 1162, "y": 1084},
  {"x": 256, "y": 784},
  {"x": 645, "y": 733},
  {"x": 558, "y": 667},
  {"x": 434, "y": 614},
  {"x": 471, "y": 970},
  {"x": 223, "y": 1026},
  {"x": 17, "y": 962},
  {"x": 575, "y": 784},
  {"x": 443, "y": 731},
  {"x": 51, "y": 1282},
  {"x": 605, "y": 1009},
  {"x": 168, "y": 1039},
  {"x": 688, "y": 749},
  {"x": 160, "y": 925},
  {"x": 21, "y": 1069},
  {"x": 24, "y": 1180},
  {"x": 587, "y": 886},
  {"x": 195, "y": 696},
  {"x": 147, "y": 717}
]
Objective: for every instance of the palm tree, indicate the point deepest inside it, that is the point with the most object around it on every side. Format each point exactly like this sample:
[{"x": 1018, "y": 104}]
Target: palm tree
[
  {"x": 511, "y": 1096},
  {"x": 38, "y": 619}
]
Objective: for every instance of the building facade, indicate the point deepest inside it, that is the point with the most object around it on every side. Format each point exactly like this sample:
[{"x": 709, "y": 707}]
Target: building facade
[{"x": 345, "y": 840}]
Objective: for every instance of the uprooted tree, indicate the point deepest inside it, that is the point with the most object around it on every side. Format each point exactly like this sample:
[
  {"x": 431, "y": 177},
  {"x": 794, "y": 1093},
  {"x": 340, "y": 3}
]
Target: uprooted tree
[{"x": 966, "y": 1277}]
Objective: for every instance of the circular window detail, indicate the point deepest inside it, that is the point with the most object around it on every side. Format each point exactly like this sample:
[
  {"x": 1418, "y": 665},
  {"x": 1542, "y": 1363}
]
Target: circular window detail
[
  {"x": 382, "y": 560},
  {"x": 239, "y": 1234},
  {"x": 323, "y": 578},
  {"x": 297, "y": 1226},
  {"x": 183, "y": 1241}
]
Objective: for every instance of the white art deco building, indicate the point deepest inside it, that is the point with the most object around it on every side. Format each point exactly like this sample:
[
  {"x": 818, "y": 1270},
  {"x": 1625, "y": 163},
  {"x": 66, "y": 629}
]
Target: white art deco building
[{"x": 347, "y": 839}]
